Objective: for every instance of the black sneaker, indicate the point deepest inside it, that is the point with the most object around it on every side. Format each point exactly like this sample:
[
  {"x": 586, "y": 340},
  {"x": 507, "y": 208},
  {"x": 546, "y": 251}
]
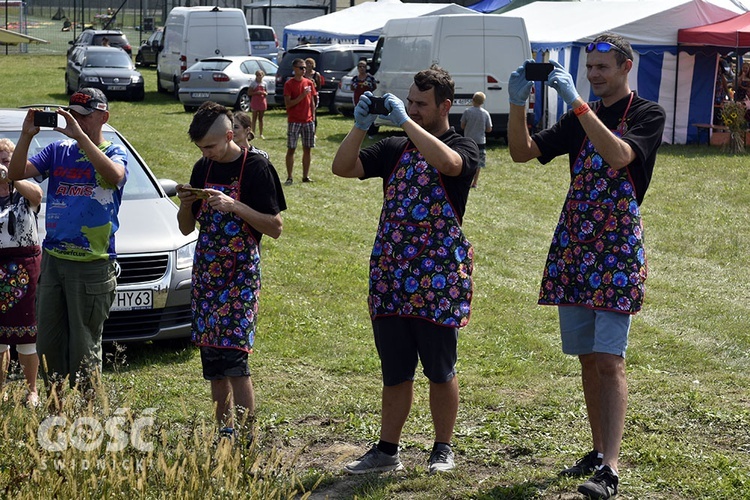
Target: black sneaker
[
  {"x": 603, "y": 484},
  {"x": 583, "y": 467}
]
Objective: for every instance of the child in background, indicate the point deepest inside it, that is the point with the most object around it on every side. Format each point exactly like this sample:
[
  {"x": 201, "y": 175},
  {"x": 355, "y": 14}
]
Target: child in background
[
  {"x": 476, "y": 122},
  {"x": 258, "y": 103}
]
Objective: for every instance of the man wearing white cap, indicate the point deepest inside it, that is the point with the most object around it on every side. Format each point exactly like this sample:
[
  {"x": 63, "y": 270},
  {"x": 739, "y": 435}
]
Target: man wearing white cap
[{"x": 77, "y": 282}]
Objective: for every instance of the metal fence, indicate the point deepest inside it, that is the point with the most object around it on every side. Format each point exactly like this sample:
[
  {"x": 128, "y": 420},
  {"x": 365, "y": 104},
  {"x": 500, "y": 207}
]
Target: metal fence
[{"x": 61, "y": 21}]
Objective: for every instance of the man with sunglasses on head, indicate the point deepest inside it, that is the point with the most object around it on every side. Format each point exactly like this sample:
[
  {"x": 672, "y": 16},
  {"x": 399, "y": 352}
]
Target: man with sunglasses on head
[{"x": 596, "y": 266}]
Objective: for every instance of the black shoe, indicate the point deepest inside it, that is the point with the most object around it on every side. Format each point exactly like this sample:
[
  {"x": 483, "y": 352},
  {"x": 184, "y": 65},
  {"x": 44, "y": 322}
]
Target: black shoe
[
  {"x": 583, "y": 467},
  {"x": 603, "y": 484},
  {"x": 306, "y": 179},
  {"x": 289, "y": 181}
]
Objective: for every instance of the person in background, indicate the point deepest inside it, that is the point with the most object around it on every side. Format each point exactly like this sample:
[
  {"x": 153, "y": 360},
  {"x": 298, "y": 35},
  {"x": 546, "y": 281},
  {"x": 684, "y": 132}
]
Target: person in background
[
  {"x": 363, "y": 82},
  {"x": 105, "y": 42},
  {"x": 20, "y": 260},
  {"x": 240, "y": 199},
  {"x": 77, "y": 284},
  {"x": 318, "y": 80},
  {"x": 243, "y": 133},
  {"x": 421, "y": 264},
  {"x": 300, "y": 98},
  {"x": 476, "y": 122},
  {"x": 258, "y": 101},
  {"x": 596, "y": 265}
]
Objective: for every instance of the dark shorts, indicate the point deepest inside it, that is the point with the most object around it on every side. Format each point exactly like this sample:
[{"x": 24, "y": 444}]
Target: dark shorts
[
  {"x": 221, "y": 363},
  {"x": 403, "y": 342}
]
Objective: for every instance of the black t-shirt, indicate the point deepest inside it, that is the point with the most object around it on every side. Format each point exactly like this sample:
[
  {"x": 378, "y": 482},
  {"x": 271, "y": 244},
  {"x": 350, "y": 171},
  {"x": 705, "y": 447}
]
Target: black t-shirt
[
  {"x": 260, "y": 188},
  {"x": 644, "y": 128},
  {"x": 381, "y": 158}
]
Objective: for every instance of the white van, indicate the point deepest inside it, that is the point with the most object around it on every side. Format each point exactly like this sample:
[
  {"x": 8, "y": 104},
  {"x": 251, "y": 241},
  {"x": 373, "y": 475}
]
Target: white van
[
  {"x": 480, "y": 51},
  {"x": 194, "y": 33}
]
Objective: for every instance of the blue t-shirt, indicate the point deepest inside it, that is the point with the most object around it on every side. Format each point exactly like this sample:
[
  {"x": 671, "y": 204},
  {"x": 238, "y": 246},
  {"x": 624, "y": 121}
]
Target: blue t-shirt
[{"x": 81, "y": 213}]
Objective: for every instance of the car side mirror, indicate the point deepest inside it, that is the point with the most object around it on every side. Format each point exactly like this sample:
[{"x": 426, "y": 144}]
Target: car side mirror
[{"x": 71, "y": 42}]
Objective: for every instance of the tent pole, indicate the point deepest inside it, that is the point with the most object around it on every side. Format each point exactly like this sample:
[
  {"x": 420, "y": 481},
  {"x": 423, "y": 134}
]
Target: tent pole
[{"x": 674, "y": 107}]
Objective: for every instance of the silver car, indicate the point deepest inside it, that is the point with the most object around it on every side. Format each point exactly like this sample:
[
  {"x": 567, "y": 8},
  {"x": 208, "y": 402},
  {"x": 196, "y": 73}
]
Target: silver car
[
  {"x": 155, "y": 259},
  {"x": 225, "y": 80}
]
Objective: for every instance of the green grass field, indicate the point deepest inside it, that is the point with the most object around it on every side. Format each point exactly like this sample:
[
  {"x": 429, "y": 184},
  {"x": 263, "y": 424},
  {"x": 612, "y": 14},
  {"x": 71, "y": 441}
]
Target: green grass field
[{"x": 316, "y": 373}]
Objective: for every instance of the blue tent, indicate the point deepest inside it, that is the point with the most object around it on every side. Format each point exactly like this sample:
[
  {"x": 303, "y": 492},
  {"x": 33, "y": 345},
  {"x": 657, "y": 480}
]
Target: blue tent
[
  {"x": 560, "y": 30},
  {"x": 488, "y": 6}
]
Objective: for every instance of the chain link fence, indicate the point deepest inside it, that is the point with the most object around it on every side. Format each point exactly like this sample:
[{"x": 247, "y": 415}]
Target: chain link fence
[{"x": 59, "y": 22}]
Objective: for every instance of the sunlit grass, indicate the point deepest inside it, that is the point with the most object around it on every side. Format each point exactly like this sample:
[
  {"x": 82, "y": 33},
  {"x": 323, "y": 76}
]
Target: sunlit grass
[{"x": 522, "y": 414}]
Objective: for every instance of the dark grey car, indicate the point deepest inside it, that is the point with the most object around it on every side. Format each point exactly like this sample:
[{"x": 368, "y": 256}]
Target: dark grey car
[
  {"x": 109, "y": 69},
  {"x": 155, "y": 259},
  {"x": 148, "y": 52}
]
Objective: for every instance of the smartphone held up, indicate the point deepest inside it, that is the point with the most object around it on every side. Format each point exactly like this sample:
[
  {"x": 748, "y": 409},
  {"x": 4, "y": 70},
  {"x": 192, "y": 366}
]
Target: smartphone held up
[
  {"x": 538, "y": 72},
  {"x": 45, "y": 119}
]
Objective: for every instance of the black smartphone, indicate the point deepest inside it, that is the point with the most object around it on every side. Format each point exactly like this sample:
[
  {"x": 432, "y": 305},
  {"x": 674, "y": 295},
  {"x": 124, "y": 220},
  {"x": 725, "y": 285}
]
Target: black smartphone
[
  {"x": 45, "y": 119},
  {"x": 377, "y": 106},
  {"x": 538, "y": 72}
]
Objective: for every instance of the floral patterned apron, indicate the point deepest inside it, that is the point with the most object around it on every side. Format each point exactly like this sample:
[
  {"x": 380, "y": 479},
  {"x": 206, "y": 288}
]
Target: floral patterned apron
[
  {"x": 597, "y": 258},
  {"x": 226, "y": 276},
  {"x": 421, "y": 262}
]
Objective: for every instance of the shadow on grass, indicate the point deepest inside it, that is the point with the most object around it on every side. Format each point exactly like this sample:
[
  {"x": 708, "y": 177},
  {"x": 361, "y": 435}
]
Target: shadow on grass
[
  {"x": 347, "y": 487},
  {"x": 133, "y": 356},
  {"x": 519, "y": 491}
]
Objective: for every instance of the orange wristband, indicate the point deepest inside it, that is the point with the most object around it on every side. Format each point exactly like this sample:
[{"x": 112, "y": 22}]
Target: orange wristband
[{"x": 582, "y": 109}]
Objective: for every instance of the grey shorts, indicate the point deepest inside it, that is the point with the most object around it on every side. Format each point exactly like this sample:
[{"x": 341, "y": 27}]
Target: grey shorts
[
  {"x": 402, "y": 342},
  {"x": 72, "y": 302},
  {"x": 585, "y": 331}
]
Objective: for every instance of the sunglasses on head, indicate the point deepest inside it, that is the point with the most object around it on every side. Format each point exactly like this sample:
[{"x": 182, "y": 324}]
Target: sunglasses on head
[{"x": 605, "y": 47}]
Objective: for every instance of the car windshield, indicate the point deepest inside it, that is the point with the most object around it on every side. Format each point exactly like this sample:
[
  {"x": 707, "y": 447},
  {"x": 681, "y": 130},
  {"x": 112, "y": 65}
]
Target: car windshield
[
  {"x": 139, "y": 185},
  {"x": 337, "y": 60},
  {"x": 210, "y": 65},
  {"x": 109, "y": 59},
  {"x": 260, "y": 35},
  {"x": 114, "y": 40}
]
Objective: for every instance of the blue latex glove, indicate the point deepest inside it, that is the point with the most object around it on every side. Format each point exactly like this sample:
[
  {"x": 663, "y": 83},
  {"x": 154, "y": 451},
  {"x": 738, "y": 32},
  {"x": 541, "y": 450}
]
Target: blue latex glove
[
  {"x": 363, "y": 120},
  {"x": 519, "y": 88},
  {"x": 396, "y": 110},
  {"x": 562, "y": 82}
]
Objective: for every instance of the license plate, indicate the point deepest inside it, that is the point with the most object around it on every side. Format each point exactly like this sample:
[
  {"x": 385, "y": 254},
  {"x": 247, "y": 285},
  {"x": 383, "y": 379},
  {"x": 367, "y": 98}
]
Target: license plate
[
  {"x": 199, "y": 95},
  {"x": 260, "y": 47},
  {"x": 462, "y": 102},
  {"x": 116, "y": 87},
  {"x": 135, "y": 299}
]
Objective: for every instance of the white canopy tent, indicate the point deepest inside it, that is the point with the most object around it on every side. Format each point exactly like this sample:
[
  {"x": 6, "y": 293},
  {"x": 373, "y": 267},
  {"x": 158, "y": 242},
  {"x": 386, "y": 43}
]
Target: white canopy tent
[
  {"x": 562, "y": 29},
  {"x": 365, "y": 21}
]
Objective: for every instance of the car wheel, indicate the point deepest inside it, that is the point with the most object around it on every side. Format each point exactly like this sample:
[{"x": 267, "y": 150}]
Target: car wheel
[
  {"x": 347, "y": 112},
  {"x": 139, "y": 59},
  {"x": 68, "y": 90},
  {"x": 158, "y": 84},
  {"x": 176, "y": 90},
  {"x": 189, "y": 109},
  {"x": 243, "y": 101},
  {"x": 138, "y": 95}
]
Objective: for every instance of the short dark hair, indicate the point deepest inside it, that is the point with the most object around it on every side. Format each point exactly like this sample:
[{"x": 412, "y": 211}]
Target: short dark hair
[
  {"x": 205, "y": 117},
  {"x": 620, "y": 43},
  {"x": 436, "y": 78}
]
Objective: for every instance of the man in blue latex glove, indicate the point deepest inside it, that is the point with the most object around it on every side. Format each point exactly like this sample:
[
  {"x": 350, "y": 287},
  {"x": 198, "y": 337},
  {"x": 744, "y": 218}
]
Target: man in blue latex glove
[
  {"x": 596, "y": 265},
  {"x": 421, "y": 263}
]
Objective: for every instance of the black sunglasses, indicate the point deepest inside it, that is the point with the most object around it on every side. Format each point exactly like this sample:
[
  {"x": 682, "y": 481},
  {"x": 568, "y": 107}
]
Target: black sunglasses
[{"x": 605, "y": 47}]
